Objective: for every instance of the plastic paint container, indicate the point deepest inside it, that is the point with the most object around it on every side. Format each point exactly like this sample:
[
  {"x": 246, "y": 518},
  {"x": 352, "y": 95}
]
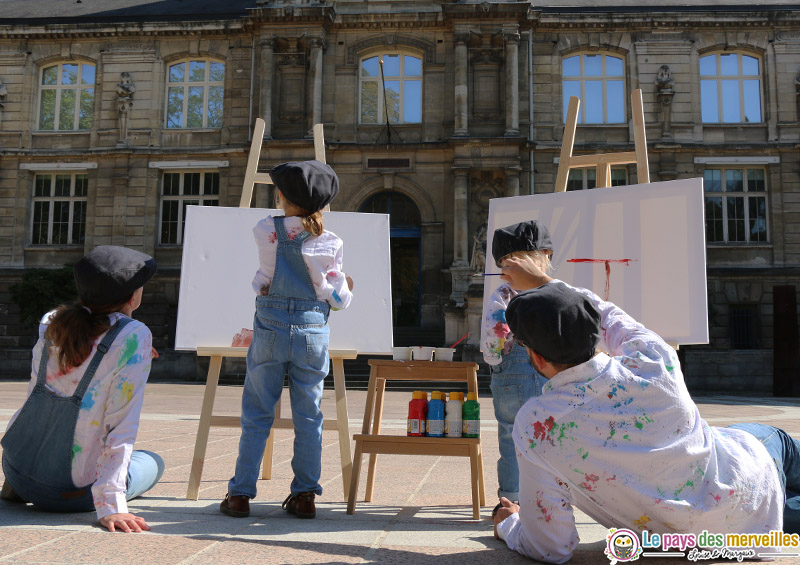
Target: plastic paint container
[
  {"x": 436, "y": 414},
  {"x": 417, "y": 413},
  {"x": 472, "y": 416},
  {"x": 453, "y": 420}
]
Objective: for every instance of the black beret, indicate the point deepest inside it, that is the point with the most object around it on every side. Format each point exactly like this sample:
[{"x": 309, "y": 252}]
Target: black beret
[
  {"x": 525, "y": 236},
  {"x": 109, "y": 274},
  {"x": 311, "y": 185},
  {"x": 557, "y": 322}
]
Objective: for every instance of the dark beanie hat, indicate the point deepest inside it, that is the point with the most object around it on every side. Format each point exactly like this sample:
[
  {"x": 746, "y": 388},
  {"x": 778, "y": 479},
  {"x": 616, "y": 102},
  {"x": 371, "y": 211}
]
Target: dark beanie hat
[
  {"x": 525, "y": 236},
  {"x": 557, "y": 322},
  {"x": 311, "y": 185},
  {"x": 109, "y": 274}
]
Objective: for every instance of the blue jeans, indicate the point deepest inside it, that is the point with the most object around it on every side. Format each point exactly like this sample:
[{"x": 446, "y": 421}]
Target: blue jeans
[
  {"x": 144, "y": 472},
  {"x": 514, "y": 381},
  {"x": 293, "y": 338},
  {"x": 785, "y": 451}
]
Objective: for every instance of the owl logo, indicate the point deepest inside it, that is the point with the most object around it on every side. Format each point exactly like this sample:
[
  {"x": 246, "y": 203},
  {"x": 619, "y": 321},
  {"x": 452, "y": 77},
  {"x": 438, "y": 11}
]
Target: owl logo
[{"x": 622, "y": 545}]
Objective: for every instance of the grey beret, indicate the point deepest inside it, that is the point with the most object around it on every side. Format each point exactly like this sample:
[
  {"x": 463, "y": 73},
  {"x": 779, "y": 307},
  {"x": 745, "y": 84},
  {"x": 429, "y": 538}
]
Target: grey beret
[
  {"x": 311, "y": 185},
  {"x": 109, "y": 274},
  {"x": 525, "y": 236}
]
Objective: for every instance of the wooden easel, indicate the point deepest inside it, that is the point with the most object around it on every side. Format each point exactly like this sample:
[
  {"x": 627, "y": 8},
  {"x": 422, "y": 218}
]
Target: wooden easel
[
  {"x": 371, "y": 441},
  {"x": 337, "y": 356},
  {"x": 603, "y": 161}
]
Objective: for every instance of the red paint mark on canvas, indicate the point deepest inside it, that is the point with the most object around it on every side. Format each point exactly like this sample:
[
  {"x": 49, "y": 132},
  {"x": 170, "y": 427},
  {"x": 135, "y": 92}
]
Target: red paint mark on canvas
[{"x": 608, "y": 269}]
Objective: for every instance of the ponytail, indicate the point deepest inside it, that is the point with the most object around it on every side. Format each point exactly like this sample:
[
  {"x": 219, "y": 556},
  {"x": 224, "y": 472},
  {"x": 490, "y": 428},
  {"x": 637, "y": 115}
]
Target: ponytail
[
  {"x": 72, "y": 329},
  {"x": 313, "y": 222}
]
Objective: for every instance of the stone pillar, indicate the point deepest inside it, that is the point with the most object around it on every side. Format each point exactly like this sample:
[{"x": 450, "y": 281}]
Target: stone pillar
[
  {"x": 511, "y": 37},
  {"x": 267, "y": 74},
  {"x": 512, "y": 181},
  {"x": 317, "y": 47},
  {"x": 460, "y": 226},
  {"x": 461, "y": 120}
]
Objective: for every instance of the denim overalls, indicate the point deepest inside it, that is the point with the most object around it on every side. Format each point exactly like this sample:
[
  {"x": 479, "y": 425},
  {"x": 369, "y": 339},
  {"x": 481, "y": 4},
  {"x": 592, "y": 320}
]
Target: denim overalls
[
  {"x": 37, "y": 448},
  {"x": 514, "y": 381},
  {"x": 290, "y": 332}
]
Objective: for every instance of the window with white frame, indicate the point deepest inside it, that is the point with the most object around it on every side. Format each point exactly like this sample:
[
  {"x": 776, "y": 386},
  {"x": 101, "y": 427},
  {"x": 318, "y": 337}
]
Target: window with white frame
[
  {"x": 599, "y": 81},
  {"x": 730, "y": 88},
  {"x": 736, "y": 205},
  {"x": 182, "y": 189},
  {"x": 586, "y": 178},
  {"x": 59, "y": 209},
  {"x": 195, "y": 93},
  {"x": 396, "y": 93},
  {"x": 66, "y": 97}
]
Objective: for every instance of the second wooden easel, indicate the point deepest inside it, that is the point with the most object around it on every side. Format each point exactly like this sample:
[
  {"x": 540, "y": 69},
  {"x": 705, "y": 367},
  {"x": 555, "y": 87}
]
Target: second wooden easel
[
  {"x": 207, "y": 419},
  {"x": 603, "y": 161}
]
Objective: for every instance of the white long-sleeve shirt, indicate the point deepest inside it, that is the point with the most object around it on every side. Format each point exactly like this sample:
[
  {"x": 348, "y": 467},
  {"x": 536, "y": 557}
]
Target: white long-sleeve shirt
[
  {"x": 108, "y": 420},
  {"x": 496, "y": 339},
  {"x": 322, "y": 255},
  {"x": 620, "y": 438}
]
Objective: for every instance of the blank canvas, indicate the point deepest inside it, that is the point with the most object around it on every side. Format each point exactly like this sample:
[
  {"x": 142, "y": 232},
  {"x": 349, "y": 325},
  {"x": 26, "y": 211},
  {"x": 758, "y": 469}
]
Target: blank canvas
[
  {"x": 644, "y": 245},
  {"x": 220, "y": 259}
]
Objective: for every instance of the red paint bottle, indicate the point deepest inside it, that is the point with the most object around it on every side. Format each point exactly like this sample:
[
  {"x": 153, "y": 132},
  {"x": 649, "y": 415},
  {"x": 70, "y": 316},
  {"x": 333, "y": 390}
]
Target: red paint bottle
[{"x": 417, "y": 414}]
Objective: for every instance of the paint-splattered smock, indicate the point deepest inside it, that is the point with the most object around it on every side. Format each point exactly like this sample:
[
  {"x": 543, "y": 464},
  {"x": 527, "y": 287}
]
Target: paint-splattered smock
[
  {"x": 496, "y": 339},
  {"x": 322, "y": 255},
  {"x": 109, "y": 416},
  {"x": 620, "y": 438}
]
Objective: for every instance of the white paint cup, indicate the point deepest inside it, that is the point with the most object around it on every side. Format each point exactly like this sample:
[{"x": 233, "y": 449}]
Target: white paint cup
[
  {"x": 421, "y": 353},
  {"x": 401, "y": 353},
  {"x": 444, "y": 353}
]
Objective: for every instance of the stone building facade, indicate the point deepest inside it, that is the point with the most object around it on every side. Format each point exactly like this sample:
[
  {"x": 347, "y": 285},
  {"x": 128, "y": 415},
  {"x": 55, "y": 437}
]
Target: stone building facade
[{"x": 112, "y": 121}]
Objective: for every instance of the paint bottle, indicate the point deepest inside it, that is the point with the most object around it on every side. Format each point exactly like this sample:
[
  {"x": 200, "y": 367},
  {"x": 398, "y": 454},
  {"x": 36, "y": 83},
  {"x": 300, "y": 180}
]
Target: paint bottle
[
  {"x": 472, "y": 416},
  {"x": 417, "y": 413},
  {"x": 436, "y": 414},
  {"x": 453, "y": 421}
]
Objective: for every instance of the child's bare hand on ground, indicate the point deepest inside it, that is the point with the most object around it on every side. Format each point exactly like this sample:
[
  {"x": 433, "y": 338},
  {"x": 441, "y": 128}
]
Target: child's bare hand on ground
[
  {"x": 522, "y": 273},
  {"x": 504, "y": 512},
  {"x": 124, "y": 522}
]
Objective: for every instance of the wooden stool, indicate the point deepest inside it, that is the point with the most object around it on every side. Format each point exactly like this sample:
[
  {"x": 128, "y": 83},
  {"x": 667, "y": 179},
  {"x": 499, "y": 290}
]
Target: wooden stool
[{"x": 371, "y": 441}]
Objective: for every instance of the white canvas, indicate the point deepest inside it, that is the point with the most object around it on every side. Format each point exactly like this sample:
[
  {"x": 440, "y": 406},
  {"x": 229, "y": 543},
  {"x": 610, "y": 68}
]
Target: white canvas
[
  {"x": 651, "y": 237},
  {"x": 220, "y": 259}
]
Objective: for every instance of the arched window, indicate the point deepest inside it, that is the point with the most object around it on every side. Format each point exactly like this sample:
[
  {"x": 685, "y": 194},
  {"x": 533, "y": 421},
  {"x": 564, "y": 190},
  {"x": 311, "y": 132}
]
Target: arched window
[
  {"x": 730, "y": 88},
  {"x": 599, "y": 81},
  {"x": 66, "y": 97},
  {"x": 195, "y": 91},
  {"x": 396, "y": 93}
]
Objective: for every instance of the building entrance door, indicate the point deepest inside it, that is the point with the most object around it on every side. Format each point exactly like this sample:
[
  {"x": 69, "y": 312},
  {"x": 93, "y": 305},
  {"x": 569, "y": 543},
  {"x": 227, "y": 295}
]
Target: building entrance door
[{"x": 405, "y": 244}]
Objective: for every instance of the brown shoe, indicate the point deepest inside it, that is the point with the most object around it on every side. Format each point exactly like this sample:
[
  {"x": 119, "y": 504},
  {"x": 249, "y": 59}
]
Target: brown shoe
[
  {"x": 7, "y": 493},
  {"x": 236, "y": 506},
  {"x": 301, "y": 505}
]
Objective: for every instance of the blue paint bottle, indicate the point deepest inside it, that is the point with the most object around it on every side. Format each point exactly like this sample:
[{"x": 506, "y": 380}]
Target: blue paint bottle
[{"x": 436, "y": 414}]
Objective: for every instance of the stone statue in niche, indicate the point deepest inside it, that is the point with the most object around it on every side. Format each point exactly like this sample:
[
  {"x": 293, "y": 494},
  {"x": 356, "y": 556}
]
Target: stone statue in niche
[
  {"x": 125, "y": 90},
  {"x": 665, "y": 92},
  {"x": 478, "y": 261}
]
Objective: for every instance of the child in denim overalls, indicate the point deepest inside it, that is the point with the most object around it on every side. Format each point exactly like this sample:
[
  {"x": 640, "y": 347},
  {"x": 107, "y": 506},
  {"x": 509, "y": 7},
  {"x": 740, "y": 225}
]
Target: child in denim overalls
[
  {"x": 514, "y": 380},
  {"x": 299, "y": 280}
]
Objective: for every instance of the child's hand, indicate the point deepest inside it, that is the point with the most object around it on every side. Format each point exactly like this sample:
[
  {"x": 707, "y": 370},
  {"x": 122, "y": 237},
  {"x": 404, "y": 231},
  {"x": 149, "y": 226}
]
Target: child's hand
[
  {"x": 349, "y": 281},
  {"x": 522, "y": 273},
  {"x": 154, "y": 353},
  {"x": 507, "y": 508}
]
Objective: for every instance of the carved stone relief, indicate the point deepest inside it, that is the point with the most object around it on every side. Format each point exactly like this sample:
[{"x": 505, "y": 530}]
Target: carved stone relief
[{"x": 125, "y": 90}]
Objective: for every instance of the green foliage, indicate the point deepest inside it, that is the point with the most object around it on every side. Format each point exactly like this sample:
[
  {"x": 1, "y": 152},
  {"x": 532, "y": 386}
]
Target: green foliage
[{"x": 41, "y": 290}]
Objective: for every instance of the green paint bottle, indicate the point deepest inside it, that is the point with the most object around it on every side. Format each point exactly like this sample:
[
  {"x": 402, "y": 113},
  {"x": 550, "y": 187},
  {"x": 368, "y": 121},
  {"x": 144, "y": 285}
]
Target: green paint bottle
[{"x": 472, "y": 416}]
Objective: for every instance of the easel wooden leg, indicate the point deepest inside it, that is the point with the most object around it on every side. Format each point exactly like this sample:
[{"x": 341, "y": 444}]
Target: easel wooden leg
[
  {"x": 201, "y": 442},
  {"x": 376, "y": 429},
  {"x": 351, "y": 498},
  {"x": 481, "y": 482},
  {"x": 342, "y": 423},
  {"x": 266, "y": 464}
]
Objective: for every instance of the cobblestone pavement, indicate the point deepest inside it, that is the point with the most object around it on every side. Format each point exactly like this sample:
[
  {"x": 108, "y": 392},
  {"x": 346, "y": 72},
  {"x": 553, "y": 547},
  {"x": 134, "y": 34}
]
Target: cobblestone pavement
[{"x": 420, "y": 512}]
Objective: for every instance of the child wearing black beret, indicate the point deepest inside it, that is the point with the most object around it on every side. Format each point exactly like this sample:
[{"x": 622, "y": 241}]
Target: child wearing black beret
[
  {"x": 514, "y": 380},
  {"x": 299, "y": 280}
]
